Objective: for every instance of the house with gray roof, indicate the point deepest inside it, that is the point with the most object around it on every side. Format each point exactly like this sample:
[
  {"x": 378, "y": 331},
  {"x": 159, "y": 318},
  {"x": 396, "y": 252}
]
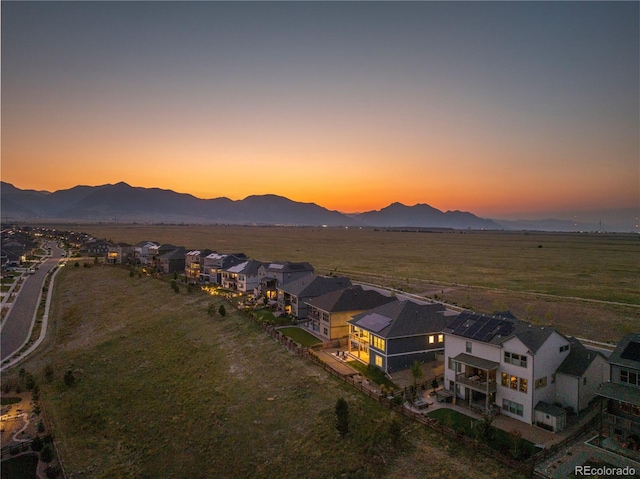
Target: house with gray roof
[
  {"x": 214, "y": 265},
  {"x": 278, "y": 273},
  {"x": 194, "y": 265},
  {"x": 292, "y": 296},
  {"x": 171, "y": 261},
  {"x": 501, "y": 363},
  {"x": 242, "y": 277},
  {"x": 394, "y": 335},
  {"x": 328, "y": 314},
  {"x": 621, "y": 418}
]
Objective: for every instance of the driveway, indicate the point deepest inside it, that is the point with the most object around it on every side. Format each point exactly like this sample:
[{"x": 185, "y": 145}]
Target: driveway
[{"x": 17, "y": 325}]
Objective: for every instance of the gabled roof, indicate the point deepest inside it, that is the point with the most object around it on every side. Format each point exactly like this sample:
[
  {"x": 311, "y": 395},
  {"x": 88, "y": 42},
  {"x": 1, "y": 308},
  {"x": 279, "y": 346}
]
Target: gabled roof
[
  {"x": 578, "y": 360},
  {"x": 353, "y": 298},
  {"x": 627, "y": 353},
  {"x": 288, "y": 267},
  {"x": 497, "y": 329},
  {"x": 177, "y": 253},
  {"x": 248, "y": 267},
  {"x": 402, "y": 318},
  {"x": 312, "y": 285},
  {"x": 142, "y": 244}
]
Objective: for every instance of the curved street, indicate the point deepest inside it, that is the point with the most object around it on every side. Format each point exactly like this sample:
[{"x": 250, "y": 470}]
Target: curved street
[{"x": 17, "y": 325}]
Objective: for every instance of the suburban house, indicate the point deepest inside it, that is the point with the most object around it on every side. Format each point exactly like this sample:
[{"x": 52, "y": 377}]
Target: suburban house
[
  {"x": 242, "y": 277},
  {"x": 154, "y": 253},
  {"x": 120, "y": 253},
  {"x": 621, "y": 418},
  {"x": 194, "y": 265},
  {"x": 95, "y": 247},
  {"x": 278, "y": 273},
  {"x": 499, "y": 362},
  {"x": 141, "y": 251},
  {"x": 215, "y": 263},
  {"x": 171, "y": 262},
  {"x": 292, "y": 296},
  {"x": 328, "y": 314},
  {"x": 579, "y": 376},
  {"x": 396, "y": 334}
]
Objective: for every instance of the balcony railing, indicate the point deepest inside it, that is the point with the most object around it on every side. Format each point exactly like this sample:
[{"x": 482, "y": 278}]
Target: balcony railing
[
  {"x": 477, "y": 384},
  {"x": 622, "y": 422}
]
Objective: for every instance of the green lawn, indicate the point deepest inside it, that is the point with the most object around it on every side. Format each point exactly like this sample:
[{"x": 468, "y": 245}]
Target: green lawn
[
  {"x": 23, "y": 467},
  {"x": 461, "y": 423},
  {"x": 300, "y": 336},
  {"x": 5, "y": 401},
  {"x": 372, "y": 373}
]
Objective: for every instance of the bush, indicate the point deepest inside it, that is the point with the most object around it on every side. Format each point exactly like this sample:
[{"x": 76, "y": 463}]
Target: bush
[
  {"x": 342, "y": 417},
  {"x": 46, "y": 455},
  {"x": 222, "y": 311},
  {"x": 37, "y": 444},
  {"x": 69, "y": 378}
]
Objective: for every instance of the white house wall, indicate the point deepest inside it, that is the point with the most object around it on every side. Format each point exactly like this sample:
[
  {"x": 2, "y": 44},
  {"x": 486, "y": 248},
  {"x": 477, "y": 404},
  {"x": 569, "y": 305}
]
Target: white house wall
[{"x": 514, "y": 345}]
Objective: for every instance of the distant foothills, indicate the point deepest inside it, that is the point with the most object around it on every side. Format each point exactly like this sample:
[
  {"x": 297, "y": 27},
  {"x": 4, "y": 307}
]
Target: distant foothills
[{"x": 124, "y": 203}]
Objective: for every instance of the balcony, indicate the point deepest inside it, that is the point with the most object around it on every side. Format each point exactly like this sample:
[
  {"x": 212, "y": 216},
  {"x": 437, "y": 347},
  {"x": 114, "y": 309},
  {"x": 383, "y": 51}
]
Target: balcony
[
  {"x": 625, "y": 424},
  {"x": 476, "y": 383}
]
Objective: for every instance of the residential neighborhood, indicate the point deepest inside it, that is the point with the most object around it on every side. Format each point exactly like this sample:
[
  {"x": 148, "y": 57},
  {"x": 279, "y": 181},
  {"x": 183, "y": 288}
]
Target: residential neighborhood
[{"x": 485, "y": 365}]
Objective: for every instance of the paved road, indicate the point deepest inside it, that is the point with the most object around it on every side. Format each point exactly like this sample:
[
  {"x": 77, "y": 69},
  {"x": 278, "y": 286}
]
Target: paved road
[{"x": 16, "y": 326}]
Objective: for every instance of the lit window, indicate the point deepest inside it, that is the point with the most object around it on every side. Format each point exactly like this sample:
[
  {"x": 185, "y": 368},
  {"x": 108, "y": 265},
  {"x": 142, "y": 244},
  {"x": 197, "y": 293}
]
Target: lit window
[
  {"x": 432, "y": 339},
  {"x": 378, "y": 361},
  {"x": 440, "y": 338}
]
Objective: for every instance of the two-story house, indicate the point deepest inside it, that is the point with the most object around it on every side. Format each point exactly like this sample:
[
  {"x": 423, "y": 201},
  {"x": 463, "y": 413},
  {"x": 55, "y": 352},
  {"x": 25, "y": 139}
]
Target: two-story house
[
  {"x": 396, "y": 334},
  {"x": 278, "y": 273},
  {"x": 499, "y": 362},
  {"x": 172, "y": 261},
  {"x": 621, "y": 417},
  {"x": 141, "y": 251},
  {"x": 292, "y": 296},
  {"x": 120, "y": 253},
  {"x": 242, "y": 277},
  {"x": 328, "y": 314},
  {"x": 194, "y": 265},
  {"x": 215, "y": 263}
]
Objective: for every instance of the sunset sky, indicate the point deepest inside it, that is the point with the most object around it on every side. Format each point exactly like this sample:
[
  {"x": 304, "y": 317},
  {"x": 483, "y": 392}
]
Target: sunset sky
[{"x": 504, "y": 109}]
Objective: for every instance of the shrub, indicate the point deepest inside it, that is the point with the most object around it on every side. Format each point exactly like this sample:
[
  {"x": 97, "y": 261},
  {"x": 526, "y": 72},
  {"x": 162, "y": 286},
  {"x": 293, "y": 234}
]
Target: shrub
[
  {"x": 48, "y": 373},
  {"x": 342, "y": 417},
  {"x": 46, "y": 455},
  {"x": 69, "y": 378},
  {"x": 222, "y": 311},
  {"x": 37, "y": 444}
]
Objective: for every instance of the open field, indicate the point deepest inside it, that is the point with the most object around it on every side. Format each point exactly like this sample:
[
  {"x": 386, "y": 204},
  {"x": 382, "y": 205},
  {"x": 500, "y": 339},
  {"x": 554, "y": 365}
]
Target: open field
[
  {"x": 165, "y": 390},
  {"x": 591, "y": 281}
]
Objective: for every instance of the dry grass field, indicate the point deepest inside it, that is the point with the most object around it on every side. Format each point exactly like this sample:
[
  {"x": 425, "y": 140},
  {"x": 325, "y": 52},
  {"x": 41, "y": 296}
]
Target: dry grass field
[
  {"x": 165, "y": 390},
  {"x": 586, "y": 285}
]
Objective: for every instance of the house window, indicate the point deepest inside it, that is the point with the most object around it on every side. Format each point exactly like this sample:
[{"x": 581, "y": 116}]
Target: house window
[
  {"x": 432, "y": 339},
  {"x": 629, "y": 377},
  {"x": 441, "y": 338},
  {"x": 452, "y": 364},
  {"x": 541, "y": 383},
  {"x": 584, "y": 381},
  {"x": 469, "y": 347},
  {"x": 325, "y": 331},
  {"x": 377, "y": 342},
  {"x": 514, "y": 382},
  {"x": 378, "y": 360},
  {"x": 515, "y": 359},
  {"x": 512, "y": 407},
  {"x": 564, "y": 348}
]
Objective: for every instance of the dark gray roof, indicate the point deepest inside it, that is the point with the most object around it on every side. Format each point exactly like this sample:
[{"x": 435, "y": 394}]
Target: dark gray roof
[
  {"x": 627, "y": 353},
  {"x": 578, "y": 360},
  {"x": 550, "y": 409},
  {"x": 312, "y": 285},
  {"x": 350, "y": 299},
  {"x": 402, "y": 318},
  {"x": 177, "y": 253},
  {"x": 288, "y": 267},
  {"x": 249, "y": 267},
  {"x": 497, "y": 329}
]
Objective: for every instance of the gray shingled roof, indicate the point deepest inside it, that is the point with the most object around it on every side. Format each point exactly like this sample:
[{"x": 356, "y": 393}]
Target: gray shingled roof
[
  {"x": 497, "y": 329},
  {"x": 620, "y": 392},
  {"x": 403, "y": 318},
  {"x": 248, "y": 267},
  {"x": 350, "y": 299},
  {"x": 578, "y": 360},
  {"x": 177, "y": 253},
  {"x": 550, "y": 409},
  {"x": 313, "y": 285},
  {"x": 625, "y": 353}
]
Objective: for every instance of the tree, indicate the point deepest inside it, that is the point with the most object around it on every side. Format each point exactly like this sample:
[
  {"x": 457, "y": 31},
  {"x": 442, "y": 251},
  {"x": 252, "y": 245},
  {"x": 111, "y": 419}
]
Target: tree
[
  {"x": 69, "y": 378},
  {"x": 342, "y": 417},
  {"x": 46, "y": 455},
  {"x": 483, "y": 429},
  {"x": 416, "y": 372},
  {"x": 37, "y": 444},
  {"x": 222, "y": 311}
]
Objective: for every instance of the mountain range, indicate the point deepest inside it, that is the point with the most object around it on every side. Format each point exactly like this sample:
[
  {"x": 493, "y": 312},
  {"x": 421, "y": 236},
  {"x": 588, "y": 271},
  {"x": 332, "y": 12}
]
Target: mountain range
[{"x": 124, "y": 203}]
